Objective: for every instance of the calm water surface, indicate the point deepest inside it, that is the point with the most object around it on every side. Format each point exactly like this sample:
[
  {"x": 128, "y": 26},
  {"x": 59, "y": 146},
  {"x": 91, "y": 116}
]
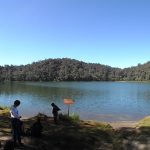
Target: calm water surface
[{"x": 102, "y": 101}]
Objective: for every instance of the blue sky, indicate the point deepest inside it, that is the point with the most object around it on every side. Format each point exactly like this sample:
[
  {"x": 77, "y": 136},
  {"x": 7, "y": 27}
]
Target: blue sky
[{"x": 111, "y": 32}]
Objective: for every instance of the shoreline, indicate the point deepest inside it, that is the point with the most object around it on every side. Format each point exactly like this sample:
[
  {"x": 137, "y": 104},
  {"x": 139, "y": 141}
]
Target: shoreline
[
  {"x": 115, "y": 124},
  {"x": 124, "y": 124},
  {"x": 118, "y": 124},
  {"x": 108, "y": 135}
]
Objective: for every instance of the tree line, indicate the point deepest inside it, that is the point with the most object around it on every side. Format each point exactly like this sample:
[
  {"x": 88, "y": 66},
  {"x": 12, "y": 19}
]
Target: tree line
[{"x": 72, "y": 70}]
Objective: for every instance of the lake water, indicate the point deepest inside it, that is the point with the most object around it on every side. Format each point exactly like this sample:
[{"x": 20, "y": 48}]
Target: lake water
[{"x": 102, "y": 101}]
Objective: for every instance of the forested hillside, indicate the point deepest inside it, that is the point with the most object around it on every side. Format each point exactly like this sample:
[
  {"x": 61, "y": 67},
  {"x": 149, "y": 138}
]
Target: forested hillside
[{"x": 72, "y": 70}]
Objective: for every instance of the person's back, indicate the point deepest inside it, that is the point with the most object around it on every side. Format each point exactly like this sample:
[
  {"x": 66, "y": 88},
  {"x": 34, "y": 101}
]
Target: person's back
[
  {"x": 55, "y": 112},
  {"x": 55, "y": 109}
]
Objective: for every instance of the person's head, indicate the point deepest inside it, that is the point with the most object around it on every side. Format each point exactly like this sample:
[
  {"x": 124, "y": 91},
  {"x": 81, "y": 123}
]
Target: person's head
[
  {"x": 52, "y": 104},
  {"x": 16, "y": 103}
]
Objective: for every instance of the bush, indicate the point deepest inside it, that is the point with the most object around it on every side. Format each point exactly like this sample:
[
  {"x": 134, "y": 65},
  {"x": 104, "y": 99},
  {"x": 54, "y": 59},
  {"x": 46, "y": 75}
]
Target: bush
[
  {"x": 63, "y": 117},
  {"x": 75, "y": 117},
  {"x": 72, "y": 118}
]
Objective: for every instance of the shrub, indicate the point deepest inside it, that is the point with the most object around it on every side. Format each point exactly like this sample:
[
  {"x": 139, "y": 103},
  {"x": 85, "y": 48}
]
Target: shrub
[
  {"x": 72, "y": 118},
  {"x": 75, "y": 117}
]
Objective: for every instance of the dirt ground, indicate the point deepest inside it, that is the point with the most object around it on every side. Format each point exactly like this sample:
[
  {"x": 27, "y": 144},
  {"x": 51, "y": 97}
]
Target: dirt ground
[{"x": 82, "y": 135}]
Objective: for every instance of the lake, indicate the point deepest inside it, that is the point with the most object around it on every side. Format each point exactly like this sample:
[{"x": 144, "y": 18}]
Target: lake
[{"x": 102, "y": 101}]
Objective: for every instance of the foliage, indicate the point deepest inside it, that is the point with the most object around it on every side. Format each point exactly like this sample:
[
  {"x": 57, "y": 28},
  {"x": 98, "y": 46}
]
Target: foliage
[
  {"x": 72, "y": 118},
  {"x": 72, "y": 70}
]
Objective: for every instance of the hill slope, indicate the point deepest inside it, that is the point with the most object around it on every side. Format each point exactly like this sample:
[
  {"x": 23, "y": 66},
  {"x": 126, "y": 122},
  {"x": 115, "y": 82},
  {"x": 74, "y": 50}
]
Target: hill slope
[{"x": 72, "y": 70}]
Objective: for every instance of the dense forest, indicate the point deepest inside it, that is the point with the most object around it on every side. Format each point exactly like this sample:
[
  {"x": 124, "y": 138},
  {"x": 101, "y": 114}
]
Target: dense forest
[{"x": 72, "y": 70}]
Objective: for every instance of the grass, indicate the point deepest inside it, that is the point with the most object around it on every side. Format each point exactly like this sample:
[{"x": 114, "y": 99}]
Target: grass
[
  {"x": 71, "y": 133},
  {"x": 4, "y": 110},
  {"x": 74, "y": 118},
  {"x": 144, "y": 122}
]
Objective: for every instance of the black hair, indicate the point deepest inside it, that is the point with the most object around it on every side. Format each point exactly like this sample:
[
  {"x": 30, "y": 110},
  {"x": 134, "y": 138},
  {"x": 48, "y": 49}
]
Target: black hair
[
  {"x": 52, "y": 104},
  {"x": 16, "y": 102}
]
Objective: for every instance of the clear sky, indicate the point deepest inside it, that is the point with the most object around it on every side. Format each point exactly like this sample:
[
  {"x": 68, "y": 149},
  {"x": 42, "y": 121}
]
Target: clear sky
[{"x": 111, "y": 32}]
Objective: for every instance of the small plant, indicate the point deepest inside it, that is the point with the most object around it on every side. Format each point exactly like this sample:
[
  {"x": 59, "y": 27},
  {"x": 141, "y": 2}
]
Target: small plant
[
  {"x": 75, "y": 118},
  {"x": 63, "y": 117},
  {"x": 72, "y": 118}
]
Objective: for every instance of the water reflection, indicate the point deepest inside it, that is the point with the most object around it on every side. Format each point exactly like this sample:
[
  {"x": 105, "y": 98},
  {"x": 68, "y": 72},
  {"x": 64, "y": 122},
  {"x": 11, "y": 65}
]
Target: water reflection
[{"x": 105, "y": 101}]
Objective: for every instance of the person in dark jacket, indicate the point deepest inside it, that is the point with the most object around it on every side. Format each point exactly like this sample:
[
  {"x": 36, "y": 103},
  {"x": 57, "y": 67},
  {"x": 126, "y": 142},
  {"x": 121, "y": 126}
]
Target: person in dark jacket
[{"x": 55, "y": 112}]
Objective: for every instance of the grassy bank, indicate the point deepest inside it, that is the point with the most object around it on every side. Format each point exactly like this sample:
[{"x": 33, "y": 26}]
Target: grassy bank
[{"x": 73, "y": 134}]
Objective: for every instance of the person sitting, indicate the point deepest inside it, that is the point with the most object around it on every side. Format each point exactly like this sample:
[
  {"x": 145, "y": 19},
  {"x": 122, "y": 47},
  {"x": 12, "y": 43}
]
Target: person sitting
[{"x": 36, "y": 128}]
